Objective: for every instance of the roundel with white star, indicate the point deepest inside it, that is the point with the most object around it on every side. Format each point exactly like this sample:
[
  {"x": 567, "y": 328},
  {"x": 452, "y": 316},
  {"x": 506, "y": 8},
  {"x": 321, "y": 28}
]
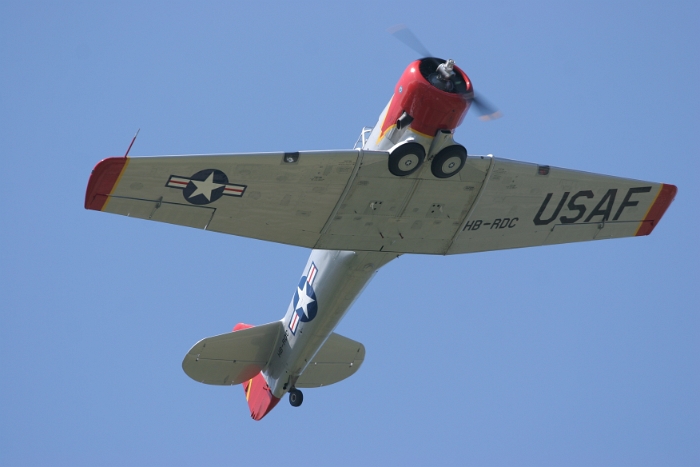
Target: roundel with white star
[
  {"x": 206, "y": 186},
  {"x": 305, "y": 304}
]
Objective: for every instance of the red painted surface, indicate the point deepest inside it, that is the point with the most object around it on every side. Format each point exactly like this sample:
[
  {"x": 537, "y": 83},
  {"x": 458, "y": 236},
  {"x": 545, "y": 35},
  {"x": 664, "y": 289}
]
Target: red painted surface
[
  {"x": 102, "y": 181},
  {"x": 260, "y": 398},
  {"x": 431, "y": 108},
  {"x": 240, "y": 326},
  {"x": 661, "y": 203},
  {"x": 257, "y": 392}
]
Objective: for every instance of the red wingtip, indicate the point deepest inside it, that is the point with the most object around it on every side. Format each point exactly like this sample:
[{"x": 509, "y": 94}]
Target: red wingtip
[
  {"x": 259, "y": 396},
  {"x": 658, "y": 208},
  {"x": 103, "y": 180}
]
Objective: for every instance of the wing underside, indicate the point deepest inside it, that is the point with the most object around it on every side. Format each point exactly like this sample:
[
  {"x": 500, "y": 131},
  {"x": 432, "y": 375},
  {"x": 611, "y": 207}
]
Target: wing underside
[
  {"x": 260, "y": 196},
  {"x": 348, "y": 200}
]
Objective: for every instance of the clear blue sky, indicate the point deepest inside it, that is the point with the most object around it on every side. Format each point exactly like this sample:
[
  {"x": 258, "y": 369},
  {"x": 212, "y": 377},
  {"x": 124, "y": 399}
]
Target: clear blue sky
[{"x": 585, "y": 354}]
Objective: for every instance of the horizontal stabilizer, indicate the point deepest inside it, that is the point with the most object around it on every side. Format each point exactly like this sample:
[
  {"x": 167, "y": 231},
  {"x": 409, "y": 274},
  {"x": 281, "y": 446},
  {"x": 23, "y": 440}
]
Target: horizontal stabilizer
[
  {"x": 336, "y": 360},
  {"x": 232, "y": 358}
]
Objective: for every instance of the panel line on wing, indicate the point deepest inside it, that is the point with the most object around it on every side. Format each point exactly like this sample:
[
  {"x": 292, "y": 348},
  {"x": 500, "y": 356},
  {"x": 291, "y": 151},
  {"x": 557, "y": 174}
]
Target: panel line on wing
[
  {"x": 160, "y": 202},
  {"x": 206, "y": 227},
  {"x": 344, "y": 194},
  {"x": 474, "y": 204},
  {"x": 408, "y": 197},
  {"x": 162, "y": 211}
]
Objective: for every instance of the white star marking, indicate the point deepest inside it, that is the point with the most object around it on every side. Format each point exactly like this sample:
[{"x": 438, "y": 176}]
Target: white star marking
[
  {"x": 206, "y": 187},
  {"x": 304, "y": 300}
]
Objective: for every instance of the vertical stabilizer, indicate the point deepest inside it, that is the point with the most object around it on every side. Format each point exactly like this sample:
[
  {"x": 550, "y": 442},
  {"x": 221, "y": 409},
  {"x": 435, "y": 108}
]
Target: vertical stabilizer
[{"x": 257, "y": 392}]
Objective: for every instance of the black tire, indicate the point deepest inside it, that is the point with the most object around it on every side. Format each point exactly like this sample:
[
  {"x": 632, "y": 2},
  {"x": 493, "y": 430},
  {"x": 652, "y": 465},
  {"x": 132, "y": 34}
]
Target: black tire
[
  {"x": 406, "y": 159},
  {"x": 296, "y": 397},
  {"x": 449, "y": 161}
]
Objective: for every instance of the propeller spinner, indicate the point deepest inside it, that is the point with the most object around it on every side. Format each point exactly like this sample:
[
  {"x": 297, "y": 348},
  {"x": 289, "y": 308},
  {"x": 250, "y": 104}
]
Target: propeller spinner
[{"x": 483, "y": 107}]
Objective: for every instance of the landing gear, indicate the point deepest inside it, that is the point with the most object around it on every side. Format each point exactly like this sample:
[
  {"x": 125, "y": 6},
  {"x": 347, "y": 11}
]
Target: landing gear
[
  {"x": 295, "y": 397},
  {"x": 449, "y": 161},
  {"x": 406, "y": 159}
]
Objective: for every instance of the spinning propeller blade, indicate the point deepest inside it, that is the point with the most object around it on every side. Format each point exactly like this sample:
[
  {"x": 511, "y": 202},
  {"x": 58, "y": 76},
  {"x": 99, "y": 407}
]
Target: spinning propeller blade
[
  {"x": 405, "y": 35},
  {"x": 485, "y": 110}
]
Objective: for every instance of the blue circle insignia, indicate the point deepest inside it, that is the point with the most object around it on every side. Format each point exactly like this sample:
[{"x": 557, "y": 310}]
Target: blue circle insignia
[
  {"x": 206, "y": 186},
  {"x": 305, "y": 304}
]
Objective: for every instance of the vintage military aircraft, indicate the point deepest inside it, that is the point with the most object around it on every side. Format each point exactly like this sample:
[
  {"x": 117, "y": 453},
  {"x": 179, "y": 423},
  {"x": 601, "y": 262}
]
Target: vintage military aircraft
[{"x": 407, "y": 187}]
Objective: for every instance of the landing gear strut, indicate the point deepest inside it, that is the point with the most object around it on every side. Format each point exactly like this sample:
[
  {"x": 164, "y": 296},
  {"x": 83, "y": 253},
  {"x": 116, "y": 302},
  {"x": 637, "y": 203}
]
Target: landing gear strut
[{"x": 295, "y": 397}]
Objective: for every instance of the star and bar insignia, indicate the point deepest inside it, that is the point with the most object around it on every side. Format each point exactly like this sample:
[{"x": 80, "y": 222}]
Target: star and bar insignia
[
  {"x": 305, "y": 304},
  {"x": 206, "y": 186}
]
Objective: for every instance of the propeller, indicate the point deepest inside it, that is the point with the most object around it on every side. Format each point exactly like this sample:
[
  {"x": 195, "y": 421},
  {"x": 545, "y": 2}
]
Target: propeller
[
  {"x": 483, "y": 107},
  {"x": 405, "y": 35}
]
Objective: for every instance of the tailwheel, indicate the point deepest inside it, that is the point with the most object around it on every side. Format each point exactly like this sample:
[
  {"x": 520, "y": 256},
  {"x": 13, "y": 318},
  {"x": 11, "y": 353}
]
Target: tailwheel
[
  {"x": 406, "y": 159},
  {"x": 296, "y": 397},
  {"x": 449, "y": 161}
]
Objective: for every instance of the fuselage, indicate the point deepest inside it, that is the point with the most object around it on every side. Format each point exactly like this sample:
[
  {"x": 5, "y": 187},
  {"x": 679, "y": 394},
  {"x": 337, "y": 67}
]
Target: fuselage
[
  {"x": 332, "y": 280},
  {"x": 330, "y": 283}
]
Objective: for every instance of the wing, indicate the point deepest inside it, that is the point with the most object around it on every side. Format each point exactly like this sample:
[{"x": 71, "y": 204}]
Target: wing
[
  {"x": 281, "y": 197},
  {"x": 348, "y": 200},
  {"x": 524, "y": 205},
  {"x": 491, "y": 204}
]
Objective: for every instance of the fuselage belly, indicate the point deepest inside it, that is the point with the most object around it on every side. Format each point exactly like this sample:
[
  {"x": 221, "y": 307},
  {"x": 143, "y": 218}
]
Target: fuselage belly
[{"x": 331, "y": 282}]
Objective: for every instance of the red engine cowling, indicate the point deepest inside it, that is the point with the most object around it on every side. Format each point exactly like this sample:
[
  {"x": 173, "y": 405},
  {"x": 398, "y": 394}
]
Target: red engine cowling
[{"x": 432, "y": 109}]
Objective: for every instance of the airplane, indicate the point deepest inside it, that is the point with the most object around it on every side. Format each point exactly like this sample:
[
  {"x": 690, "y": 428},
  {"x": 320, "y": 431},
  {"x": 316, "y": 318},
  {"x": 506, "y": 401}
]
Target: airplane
[{"x": 405, "y": 188}]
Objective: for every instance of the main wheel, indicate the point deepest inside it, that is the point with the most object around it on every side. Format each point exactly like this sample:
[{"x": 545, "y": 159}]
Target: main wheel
[
  {"x": 449, "y": 161},
  {"x": 406, "y": 159},
  {"x": 296, "y": 397}
]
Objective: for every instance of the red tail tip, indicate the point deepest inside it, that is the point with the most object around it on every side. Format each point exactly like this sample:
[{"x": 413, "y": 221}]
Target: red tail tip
[
  {"x": 240, "y": 326},
  {"x": 259, "y": 396}
]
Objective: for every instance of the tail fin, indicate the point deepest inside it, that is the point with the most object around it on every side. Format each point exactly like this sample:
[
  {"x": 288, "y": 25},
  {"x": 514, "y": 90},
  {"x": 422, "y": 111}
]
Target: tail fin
[
  {"x": 240, "y": 326},
  {"x": 237, "y": 357},
  {"x": 259, "y": 397},
  {"x": 257, "y": 392}
]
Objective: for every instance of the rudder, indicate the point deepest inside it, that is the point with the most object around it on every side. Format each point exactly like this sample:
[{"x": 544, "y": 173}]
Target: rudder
[
  {"x": 259, "y": 397},
  {"x": 257, "y": 392}
]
